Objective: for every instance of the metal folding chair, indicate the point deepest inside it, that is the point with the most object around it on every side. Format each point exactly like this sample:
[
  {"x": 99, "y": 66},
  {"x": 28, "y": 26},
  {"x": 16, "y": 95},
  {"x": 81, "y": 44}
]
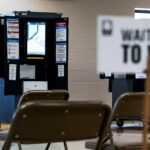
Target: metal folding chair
[
  {"x": 39, "y": 95},
  {"x": 41, "y": 122},
  {"x": 129, "y": 106}
]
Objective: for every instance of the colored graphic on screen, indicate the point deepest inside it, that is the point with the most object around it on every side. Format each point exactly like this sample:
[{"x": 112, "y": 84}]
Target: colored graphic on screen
[{"x": 36, "y": 38}]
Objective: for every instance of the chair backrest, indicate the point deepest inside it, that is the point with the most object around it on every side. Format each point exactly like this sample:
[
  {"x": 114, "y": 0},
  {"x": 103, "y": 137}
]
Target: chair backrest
[
  {"x": 36, "y": 95},
  {"x": 129, "y": 105},
  {"x": 37, "y": 122}
]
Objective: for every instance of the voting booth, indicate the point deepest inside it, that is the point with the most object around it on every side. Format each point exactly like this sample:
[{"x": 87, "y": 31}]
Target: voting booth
[
  {"x": 34, "y": 55},
  {"x": 36, "y": 51}
]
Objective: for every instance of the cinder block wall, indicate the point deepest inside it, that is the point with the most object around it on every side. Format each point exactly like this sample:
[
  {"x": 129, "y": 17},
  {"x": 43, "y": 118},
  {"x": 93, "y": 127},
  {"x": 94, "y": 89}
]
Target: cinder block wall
[{"x": 84, "y": 83}]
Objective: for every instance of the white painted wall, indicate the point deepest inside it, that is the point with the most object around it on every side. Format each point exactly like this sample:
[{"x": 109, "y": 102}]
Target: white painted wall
[{"x": 84, "y": 83}]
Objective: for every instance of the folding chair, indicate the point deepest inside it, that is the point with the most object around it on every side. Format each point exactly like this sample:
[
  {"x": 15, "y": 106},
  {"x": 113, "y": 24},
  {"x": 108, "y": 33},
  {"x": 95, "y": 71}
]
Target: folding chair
[
  {"x": 35, "y": 95},
  {"x": 129, "y": 106},
  {"x": 39, "y": 95},
  {"x": 41, "y": 122}
]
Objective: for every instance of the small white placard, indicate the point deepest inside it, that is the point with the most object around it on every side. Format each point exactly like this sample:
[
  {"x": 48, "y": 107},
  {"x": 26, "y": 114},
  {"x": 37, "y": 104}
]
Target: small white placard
[
  {"x": 60, "y": 70},
  {"x": 61, "y": 53},
  {"x": 34, "y": 85},
  {"x": 12, "y": 71},
  {"x": 140, "y": 76}
]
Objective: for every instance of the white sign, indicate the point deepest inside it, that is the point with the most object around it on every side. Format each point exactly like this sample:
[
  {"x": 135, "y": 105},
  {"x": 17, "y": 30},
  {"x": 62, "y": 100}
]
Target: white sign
[
  {"x": 13, "y": 28},
  {"x": 12, "y": 49},
  {"x": 122, "y": 44},
  {"x": 34, "y": 85},
  {"x": 61, "y": 53},
  {"x": 61, "y": 71},
  {"x": 61, "y": 32},
  {"x": 12, "y": 71}
]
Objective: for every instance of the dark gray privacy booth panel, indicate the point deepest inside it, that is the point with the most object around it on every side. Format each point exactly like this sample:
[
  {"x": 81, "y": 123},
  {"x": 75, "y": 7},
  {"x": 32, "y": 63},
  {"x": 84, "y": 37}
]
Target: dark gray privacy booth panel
[{"x": 120, "y": 86}]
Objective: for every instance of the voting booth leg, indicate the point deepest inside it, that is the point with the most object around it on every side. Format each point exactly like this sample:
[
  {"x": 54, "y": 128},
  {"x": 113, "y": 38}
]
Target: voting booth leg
[{"x": 146, "y": 106}]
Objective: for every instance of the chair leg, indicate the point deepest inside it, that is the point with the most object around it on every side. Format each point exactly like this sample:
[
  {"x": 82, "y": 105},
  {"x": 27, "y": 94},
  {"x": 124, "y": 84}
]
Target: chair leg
[
  {"x": 19, "y": 145},
  {"x": 48, "y": 145},
  {"x": 111, "y": 139},
  {"x": 65, "y": 145}
]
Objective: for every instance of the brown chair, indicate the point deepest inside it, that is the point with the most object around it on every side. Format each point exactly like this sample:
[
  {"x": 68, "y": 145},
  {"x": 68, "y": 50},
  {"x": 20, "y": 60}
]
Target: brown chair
[
  {"x": 129, "y": 106},
  {"x": 35, "y": 95},
  {"x": 39, "y": 95},
  {"x": 41, "y": 122}
]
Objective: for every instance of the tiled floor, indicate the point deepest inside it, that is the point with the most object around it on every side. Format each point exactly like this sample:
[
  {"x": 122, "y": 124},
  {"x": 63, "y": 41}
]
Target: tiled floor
[
  {"x": 80, "y": 145},
  {"x": 77, "y": 145},
  {"x": 129, "y": 136}
]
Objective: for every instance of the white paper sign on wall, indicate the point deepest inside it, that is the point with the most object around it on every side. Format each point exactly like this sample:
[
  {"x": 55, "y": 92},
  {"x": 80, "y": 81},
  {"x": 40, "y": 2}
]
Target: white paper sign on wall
[{"x": 122, "y": 44}]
